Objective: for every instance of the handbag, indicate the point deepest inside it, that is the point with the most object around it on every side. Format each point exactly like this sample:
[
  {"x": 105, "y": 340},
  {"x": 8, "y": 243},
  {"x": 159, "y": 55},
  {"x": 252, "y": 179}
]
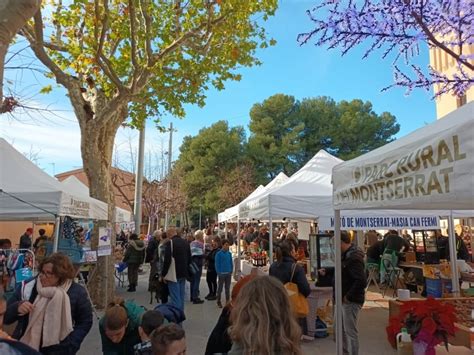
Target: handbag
[
  {"x": 171, "y": 274},
  {"x": 298, "y": 302},
  {"x": 193, "y": 269}
]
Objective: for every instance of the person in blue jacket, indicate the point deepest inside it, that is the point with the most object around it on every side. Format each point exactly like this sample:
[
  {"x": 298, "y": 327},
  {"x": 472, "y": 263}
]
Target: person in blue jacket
[{"x": 224, "y": 267}]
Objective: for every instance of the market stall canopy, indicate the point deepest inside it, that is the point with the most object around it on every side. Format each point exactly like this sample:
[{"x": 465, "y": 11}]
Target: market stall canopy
[
  {"x": 28, "y": 193},
  {"x": 431, "y": 168},
  {"x": 306, "y": 194},
  {"x": 232, "y": 213},
  {"x": 247, "y": 206},
  {"x": 74, "y": 185}
]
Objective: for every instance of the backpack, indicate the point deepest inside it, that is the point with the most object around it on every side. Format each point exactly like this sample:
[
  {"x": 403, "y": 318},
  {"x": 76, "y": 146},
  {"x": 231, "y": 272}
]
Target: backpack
[
  {"x": 321, "y": 329},
  {"x": 171, "y": 313}
]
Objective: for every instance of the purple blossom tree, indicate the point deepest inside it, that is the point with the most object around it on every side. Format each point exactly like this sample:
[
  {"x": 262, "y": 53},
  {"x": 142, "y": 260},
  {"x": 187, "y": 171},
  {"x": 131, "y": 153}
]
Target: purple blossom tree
[{"x": 399, "y": 27}]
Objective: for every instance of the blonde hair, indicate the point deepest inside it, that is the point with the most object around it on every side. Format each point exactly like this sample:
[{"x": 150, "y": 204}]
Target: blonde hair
[
  {"x": 262, "y": 322},
  {"x": 199, "y": 235}
]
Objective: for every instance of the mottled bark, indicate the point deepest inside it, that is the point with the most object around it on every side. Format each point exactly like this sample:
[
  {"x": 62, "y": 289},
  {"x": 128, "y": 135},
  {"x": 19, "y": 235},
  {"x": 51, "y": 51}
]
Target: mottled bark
[{"x": 97, "y": 147}]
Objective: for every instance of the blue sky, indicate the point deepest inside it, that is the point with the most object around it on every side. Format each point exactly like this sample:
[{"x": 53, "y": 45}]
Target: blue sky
[{"x": 288, "y": 68}]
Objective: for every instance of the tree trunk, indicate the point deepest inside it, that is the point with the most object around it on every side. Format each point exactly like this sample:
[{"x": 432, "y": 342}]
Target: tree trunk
[
  {"x": 13, "y": 16},
  {"x": 97, "y": 147}
]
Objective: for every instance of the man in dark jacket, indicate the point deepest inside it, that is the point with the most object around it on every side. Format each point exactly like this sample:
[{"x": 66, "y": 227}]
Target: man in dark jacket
[
  {"x": 26, "y": 239},
  {"x": 354, "y": 282},
  {"x": 182, "y": 258}
]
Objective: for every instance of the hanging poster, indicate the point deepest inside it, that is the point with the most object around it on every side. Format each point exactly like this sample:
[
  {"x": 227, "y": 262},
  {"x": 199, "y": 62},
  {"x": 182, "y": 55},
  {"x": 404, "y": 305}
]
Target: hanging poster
[{"x": 105, "y": 235}]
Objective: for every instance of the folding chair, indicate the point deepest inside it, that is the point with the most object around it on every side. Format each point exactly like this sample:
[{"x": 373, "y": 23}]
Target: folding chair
[
  {"x": 373, "y": 270},
  {"x": 392, "y": 274},
  {"x": 120, "y": 273}
]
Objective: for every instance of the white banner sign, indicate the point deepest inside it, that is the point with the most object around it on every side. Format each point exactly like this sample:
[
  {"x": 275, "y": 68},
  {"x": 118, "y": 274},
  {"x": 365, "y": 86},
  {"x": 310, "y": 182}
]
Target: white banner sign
[
  {"x": 381, "y": 222},
  {"x": 432, "y": 168}
]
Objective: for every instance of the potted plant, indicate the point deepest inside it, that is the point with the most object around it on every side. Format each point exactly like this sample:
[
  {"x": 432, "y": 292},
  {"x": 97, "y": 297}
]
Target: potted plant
[{"x": 429, "y": 322}]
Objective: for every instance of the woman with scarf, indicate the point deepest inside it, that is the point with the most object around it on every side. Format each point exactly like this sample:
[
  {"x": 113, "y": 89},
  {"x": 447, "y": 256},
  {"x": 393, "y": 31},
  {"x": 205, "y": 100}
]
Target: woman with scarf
[
  {"x": 53, "y": 312},
  {"x": 134, "y": 257}
]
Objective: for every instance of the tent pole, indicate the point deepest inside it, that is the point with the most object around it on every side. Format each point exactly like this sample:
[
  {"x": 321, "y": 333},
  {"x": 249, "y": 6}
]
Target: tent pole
[
  {"x": 469, "y": 223},
  {"x": 57, "y": 226},
  {"x": 270, "y": 226},
  {"x": 238, "y": 243},
  {"x": 270, "y": 251},
  {"x": 338, "y": 284},
  {"x": 453, "y": 255},
  {"x": 225, "y": 229}
]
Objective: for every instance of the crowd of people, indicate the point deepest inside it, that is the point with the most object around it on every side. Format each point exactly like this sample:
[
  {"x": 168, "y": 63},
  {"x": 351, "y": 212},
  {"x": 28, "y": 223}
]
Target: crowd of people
[{"x": 257, "y": 317}]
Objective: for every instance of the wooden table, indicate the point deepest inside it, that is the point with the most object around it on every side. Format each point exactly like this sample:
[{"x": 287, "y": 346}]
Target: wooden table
[{"x": 404, "y": 264}]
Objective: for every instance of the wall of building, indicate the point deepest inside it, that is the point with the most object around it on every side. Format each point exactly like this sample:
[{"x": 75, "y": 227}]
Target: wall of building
[
  {"x": 123, "y": 179},
  {"x": 14, "y": 230},
  {"x": 444, "y": 63}
]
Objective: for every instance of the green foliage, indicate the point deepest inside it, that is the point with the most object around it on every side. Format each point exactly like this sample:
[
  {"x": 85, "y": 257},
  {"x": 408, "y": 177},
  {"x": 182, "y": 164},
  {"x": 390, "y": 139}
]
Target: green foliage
[
  {"x": 358, "y": 129},
  {"x": 164, "y": 53},
  {"x": 46, "y": 89},
  {"x": 206, "y": 160},
  {"x": 274, "y": 143},
  {"x": 219, "y": 168},
  {"x": 287, "y": 133}
]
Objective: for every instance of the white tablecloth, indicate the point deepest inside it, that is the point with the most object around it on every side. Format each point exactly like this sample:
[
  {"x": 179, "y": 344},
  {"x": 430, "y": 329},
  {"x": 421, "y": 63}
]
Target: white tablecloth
[{"x": 246, "y": 268}]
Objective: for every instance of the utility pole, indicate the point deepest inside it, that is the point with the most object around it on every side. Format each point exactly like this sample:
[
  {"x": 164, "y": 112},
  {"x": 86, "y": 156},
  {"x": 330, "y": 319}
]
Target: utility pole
[
  {"x": 139, "y": 181},
  {"x": 170, "y": 150}
]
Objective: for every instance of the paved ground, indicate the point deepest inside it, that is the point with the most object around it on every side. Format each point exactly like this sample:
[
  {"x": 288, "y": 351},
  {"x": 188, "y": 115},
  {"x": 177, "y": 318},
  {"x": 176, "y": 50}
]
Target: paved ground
[{"x": 202, "y": 318}]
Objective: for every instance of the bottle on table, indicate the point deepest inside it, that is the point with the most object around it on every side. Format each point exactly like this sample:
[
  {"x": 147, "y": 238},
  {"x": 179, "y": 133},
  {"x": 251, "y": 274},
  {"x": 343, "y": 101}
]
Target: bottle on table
[{"x": 404, "y": 343}]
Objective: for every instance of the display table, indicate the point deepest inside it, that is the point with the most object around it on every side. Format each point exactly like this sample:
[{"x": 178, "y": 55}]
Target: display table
[
  {"x": 410, "y": 265},
  {"x": 246, "y": 268}
]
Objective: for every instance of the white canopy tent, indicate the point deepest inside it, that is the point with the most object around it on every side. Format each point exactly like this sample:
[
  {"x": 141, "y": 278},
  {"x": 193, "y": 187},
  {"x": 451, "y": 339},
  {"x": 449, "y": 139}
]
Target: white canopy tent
[
  {"x": 431, "y": 168},
  {"x": 74, "y": 185},
  {"x": 306, "y": 194},
  {"x": 231, "y": 213},
  {"x": 248, "y": 205},
  {"x": 277, "y": 181},
  {"x": 28, "y": 193}
]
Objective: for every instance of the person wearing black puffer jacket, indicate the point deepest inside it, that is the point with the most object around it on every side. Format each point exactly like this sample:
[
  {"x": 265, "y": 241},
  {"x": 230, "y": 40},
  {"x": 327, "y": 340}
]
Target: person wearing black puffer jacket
[
  {"x": 134, "y": 257},
  {"x": 354, "y": 282},
  {"x": 282, "y": 269}
]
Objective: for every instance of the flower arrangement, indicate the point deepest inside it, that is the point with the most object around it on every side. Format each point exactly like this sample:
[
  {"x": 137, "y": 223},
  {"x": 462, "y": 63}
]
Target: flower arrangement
[{"x": 429, "y": 322}]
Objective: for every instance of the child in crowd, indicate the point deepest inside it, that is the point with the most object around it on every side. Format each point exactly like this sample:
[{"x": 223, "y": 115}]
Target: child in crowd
[
  {"x": 119, "y": 327},
  {"x": 150, "y": 321},
  {"x": 168, "y": 340},
  {"x": 224, "y": 268}
]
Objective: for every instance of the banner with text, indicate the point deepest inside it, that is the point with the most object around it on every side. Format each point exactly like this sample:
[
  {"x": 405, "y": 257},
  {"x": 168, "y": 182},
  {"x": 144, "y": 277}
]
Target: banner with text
[
  {"x": 431, "y": 168},
  {"x": 381, "y": 222}
]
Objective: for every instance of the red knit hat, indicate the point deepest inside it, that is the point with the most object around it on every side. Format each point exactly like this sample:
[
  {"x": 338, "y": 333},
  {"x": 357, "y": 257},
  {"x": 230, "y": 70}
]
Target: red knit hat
[
  {"x": 241, "y": 283},
  {"x": 29, "y": 230}
]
